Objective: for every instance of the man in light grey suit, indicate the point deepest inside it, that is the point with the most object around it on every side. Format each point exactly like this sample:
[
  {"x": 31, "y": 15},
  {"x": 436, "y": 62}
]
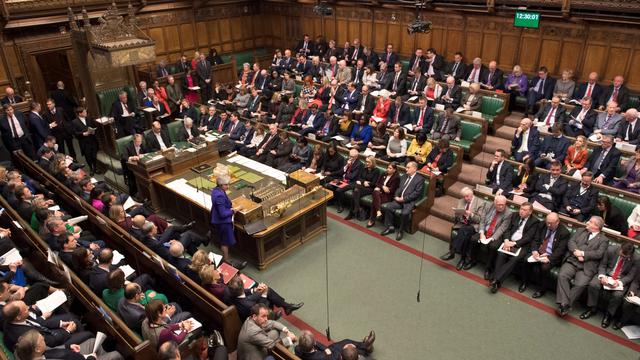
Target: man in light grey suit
[
  {"x": 466, "y": 225},
  {"x": 609, "y": 122},
  {"x": 495, "y": 221},
  {"x": 258, "y": 334},
  {"x": 447, "y": 126},
  {"x": 586, "y": 248},
  {"x": 406, "y": 196}
]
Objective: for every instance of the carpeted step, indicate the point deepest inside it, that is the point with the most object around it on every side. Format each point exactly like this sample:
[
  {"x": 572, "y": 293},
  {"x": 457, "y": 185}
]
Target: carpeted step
[
  {"x": 455, "y": 189},
  {"x": 436, "y": 227},
  {"x": 514, "y": 120},
  {"x": 494, "y": 143},
  {"x": 442, "y": 207},
  {"x": 472, "y": 174},
  {"x": 506, "y": 132}
]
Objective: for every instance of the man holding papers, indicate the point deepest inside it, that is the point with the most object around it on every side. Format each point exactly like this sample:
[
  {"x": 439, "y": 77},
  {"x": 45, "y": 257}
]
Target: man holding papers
[
  {"x": 32, "y": 345},
  {"x": 586, "y": 247},
  {"x": 522, "y": 230},
  {"x": 615, "y": 273},
  {"x": 495, "y": 221},
  {"x": 547, "y": 252},
  {"x": 632, "y": 304}
]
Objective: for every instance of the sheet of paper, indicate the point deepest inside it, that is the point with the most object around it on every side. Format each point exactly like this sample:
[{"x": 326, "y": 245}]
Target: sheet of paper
[
  {"x": 633, "y": 299},
  {"x": 17, "y": 224},
  {"x": 484, "y": 189},
  {"x": 129, "y": 203},
  {"x": 100, "y": 338},
  {"x": 486, "y": 240},
  {"x": 148, "y": 109},
  {"x": 194, "y": 88},
  {"x": 339, "y": 138},
  {"x": 476, "y": 114},
  {"x": 512, "y": 253},
  {"x": 77, "y": 219},
  {"x": 408, "y": 127},
  {"x": 540, "y": 207},
  {"x": 10, "y": 256},
  {"x": 127, "y": 270},
  {"x": 460, "y": 109},
  {"x": 368, "y": 152},
  {"x": 117, "y": 257},
  {"x": 215, "y": 258},
  {"x": 632, "y": 331},
  {"x": 413, "y": 98},
  {"x": 464, "y": 84},
  {"x": 54, "y": 208},
  {"x": 623, "y": 146},
  {"x": 439, "y": 107},
  {"x": 52, "y": 301}
]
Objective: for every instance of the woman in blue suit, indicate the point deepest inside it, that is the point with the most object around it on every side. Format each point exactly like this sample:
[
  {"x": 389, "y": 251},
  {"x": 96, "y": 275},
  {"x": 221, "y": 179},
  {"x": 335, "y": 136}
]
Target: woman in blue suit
[{"x": 222, "y": 216}]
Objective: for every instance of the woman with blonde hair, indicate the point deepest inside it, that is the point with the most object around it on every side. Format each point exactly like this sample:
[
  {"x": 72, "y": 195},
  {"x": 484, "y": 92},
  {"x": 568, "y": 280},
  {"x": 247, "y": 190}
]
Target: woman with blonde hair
[
  {"x": 577, "y": 155},
  {"x": 199, "y": 260},
  {"x": 515, "y": 85},
  {"x": 433, "y": 90},
  {"x": 565, "y": 86}
]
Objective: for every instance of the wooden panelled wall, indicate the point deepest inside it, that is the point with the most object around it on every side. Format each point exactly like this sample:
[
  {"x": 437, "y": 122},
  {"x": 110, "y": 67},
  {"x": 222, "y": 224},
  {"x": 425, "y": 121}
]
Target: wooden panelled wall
[
  {"x": 559, "y": 44},
  {"x": 228, "y": 28}
]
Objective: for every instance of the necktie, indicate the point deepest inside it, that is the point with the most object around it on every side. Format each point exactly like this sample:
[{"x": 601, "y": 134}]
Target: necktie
[
  {"x": 221, "y": 125},
  {"x": 629, "y": 131},
  {"x": 589, "y": 88},
  {"x": 540, "y": 88},
  {"x": 395, "y": 82},
  {"x": 355, "y": 53},
  {"x": 346, "y": 172},
  {"x": 415, "y": 84},
  {"x": 455, "y": 67},
  {"x": 606, "y": 121},
  {"x": 164, "y": 72},
  {"x": 466, "y": 208},
  {"x": 489, "y": 78},
  {"x": 406, "y": 185},
  {"x": 266, "y": 142},
  {"x": 421, "y": 119},
  {"x": 388, "y": 57},
  {"x": 543, "y": 247},
  {"x": 550, "y": 116},
  {"x": 444, "y": 125},
  {"x": 618, "y": 269},
  {"x": 355, "y": 81},
  {"x": 395, "y": 120},
  {"x": 232, "y": 127},
  {"x": 603, "y": 154},
  {"x": 472, "y": 77},
  {"x": 614, "y": 96},
  {"x": 492, "y": 225},
  {"x": 17, "y": 129}
]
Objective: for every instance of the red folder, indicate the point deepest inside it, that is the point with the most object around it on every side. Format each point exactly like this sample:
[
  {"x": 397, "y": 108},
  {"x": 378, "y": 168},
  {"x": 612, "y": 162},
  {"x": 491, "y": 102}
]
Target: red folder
[
  {"x": 227, "y": 272},
  {"x": 247, "y": 281}
]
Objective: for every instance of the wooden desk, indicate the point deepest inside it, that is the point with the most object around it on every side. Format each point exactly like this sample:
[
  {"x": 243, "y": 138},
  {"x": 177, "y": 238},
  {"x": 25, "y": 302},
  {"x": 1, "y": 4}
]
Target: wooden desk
[{"x": 301, "y": 222}]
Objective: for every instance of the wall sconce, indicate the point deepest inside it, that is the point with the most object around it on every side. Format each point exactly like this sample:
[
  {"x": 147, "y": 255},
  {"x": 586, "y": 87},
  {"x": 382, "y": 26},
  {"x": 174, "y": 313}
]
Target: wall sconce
[{"x": 393, "y": 16}]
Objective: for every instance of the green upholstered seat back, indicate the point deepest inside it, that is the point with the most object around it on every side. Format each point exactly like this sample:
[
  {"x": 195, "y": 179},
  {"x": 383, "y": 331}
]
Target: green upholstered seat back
[
  {"x": 173, "y": 129},
  {"x": 107, "y": 97},
  {"x": 492, "y": 105}
]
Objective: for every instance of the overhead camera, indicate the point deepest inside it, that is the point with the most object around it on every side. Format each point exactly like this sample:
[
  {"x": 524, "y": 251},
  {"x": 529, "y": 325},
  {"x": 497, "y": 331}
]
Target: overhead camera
[
  {"x": 419, "y": 26},
  {"x": 323, "y": 10}
]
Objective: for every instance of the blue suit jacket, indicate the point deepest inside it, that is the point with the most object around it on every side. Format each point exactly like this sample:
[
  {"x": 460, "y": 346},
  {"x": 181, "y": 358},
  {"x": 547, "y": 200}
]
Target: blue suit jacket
[
  {"x": 221, "y": 212},
  {"x": 365, "y": 135},
  {"x": 558, "y": 146},
  {"x": 40, "y": 128},
  {"x": 533, "y": 143},
  {"x": 318, "y": 121}
]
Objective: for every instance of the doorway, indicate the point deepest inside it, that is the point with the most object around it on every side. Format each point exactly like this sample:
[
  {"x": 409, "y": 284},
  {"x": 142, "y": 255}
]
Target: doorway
[{"x": 54, "y": 66}]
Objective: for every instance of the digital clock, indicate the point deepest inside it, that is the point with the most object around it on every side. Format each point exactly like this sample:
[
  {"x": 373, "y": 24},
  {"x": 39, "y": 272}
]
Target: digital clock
[{"x": 526, "y": 19}]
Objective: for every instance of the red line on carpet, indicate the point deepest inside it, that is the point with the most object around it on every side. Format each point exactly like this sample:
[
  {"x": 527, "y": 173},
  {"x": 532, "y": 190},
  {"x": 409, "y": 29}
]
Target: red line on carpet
[
  {"x": 300, "y": 324},
  {"x": 473, "y": 277}
]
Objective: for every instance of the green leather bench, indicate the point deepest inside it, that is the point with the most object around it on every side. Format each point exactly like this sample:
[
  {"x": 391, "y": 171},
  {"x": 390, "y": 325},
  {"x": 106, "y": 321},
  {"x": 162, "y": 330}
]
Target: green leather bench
[
  {"x": 634, "y": 102},
  {"x": 107, "y": 97},
  {"x": 173, "y": 127},
  {"x": 491, "y": 106},
  {"x": 244, "y": 57},
  {"x": 471, "y": 132}
]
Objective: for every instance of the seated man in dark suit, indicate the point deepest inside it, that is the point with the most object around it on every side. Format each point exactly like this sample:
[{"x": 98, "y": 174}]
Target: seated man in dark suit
[
  {"x": 520, "y": 233},
  {"x": 447, "y": 126},
  {"x": 586, "y": 248},
  {"x": 10, "y": 97},
  {"x": 617, "y": 269},
  {"x": 617, "y": 93},
  {"x": 423, "y": 117},
  {"x": 457, "y": 68},
  {"x": 500, "y": 174},
  {"x": 493, "y": 78},
  {"x": 312, "y": 121},
  {"x": 582, "y": 119},
  {"x": 550, "y": 114},
  {"x": 268, "y": 143},
  {"x": 99, "y": 273},
  {"x": 244, "y": 299},
  {"x": 187, "y": 132},
  {"x": 350, "y": 175},
  {"x": 540, "y": 87},
  {"x": 309, "y": 349},
  {"x": 366, "y": 103},
  {"x": 158, "y": 138},
  {"x": 57, "y": 330},
  {"x": 550, "y": 188},
  {"x": 629, "y": 130},
  {"x": 603, "y": 162},
  {"x": 279, "y": 156},
  {"x": 405, "y": 198},
  {"x": 24, "y": 197},
  {"x": 548, "y": 250},
  {"x": 580, "y": 199},
  {"x": 554, "y": 147},
  {"x": 45, "y": 159},
  {"x": 494, "y": 223},
  {"x": 178, "y": 259},
  {"x": 451, "y": 94},
  {"x": 526, "y": 141},
  {"x": 160, "y": 244},
  {"x": 399, "y": 114},
  {"x": 124, "y": 115},
  {"x": 590, "y": 89}
]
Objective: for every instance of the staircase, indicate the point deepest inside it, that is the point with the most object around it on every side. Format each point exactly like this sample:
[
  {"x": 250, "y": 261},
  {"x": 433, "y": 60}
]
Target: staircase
[{"x": 440, "y": 219}]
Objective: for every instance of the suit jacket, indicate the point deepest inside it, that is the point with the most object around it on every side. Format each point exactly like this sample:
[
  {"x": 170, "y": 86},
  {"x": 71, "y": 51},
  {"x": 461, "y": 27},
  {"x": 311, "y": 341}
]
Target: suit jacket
[
  {"x": 162, "y": 71},
  {"x": 182, "y": 135},
  {"x": 634, "y": 132},
  {"x": 585, "y": 202},
  {"x": 283, "y": 151},
  {"x": 533, "y": 142},
  {"x": 557, "y": 146},
  {"x": 174, "y": 93},
  {"x": 612, "y": 126},
  {"x": 156, "y": 246},
  {"x": 152, "y": 142},
  {"x": 53, "y": 335},
  {"x": 445, "y": 162},
  {"x": 428, "y": 121},
  {"x": 596, "y": 93},
  {"x": 357, "y": 74},
  {"x": 401, "y": 84},
  {"x": 417, "y": 84},
  {"x": 390, "y": 58},
  {"x": 351, "y": 99},
  {"x": 310, "y": 47},
  {"x": 132, "y": 314},
  {"x": 608, "y": 166},
  {"x": 183, "y": 67},
  {"x": 412, "y": 190},
  {"x": 455, "y": 95},
  {"x": 318, "y": 121},
  {"x": 421, "y": 64},
  {"x": 344, "y": 75},
  {"x": 89, "y": 142},
  {"x": 254, "y": 341},
  {"x": 609, "y": 261},
  {"x": 589, "y": 120},
  {"x": 506, "y": 177},
  {"x": 459, "y": 72},
  {"x": 502, "y": 222},
  {"x": 373, "y": 59},
  {"x": 475, "y": 103},
  {"x": 353, "y": 174},
  {"x": 547, "y": 89},
  {"x": 529, "y": 232},
  {"x": 64, "y": 100},
  {"x": 594, "y": 250},
  {"x": 551, "y": 198},
  {"x": 369, "y": 105},
  {"x": 130, "y": 150},
  {"x": 63, "y": 128},
  {"x": 622, "y": 99},
  {"x": 237, "y": 131},
  {"x": 40, "y": 128},
  {"x": 477, "y": 208},
  {"x": 208, "y": 121},
  {"x": 403, "y": 115},
  {"x": 98, "y": 278},
  {"x": 221, "y": 212},
  {"x": 496, "y": 80},
  {"x": 7, "y": 135},
  {"x": 469, "y": 70},
  {"x": 16, "y": 99},
  {"x": 559, "y": 246},
  {"x": 216, "y": 124},
  {"x": 543, "y": 113},
  {"x": 203, "y": 70},
  {"x": 453, "y": 128}
]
